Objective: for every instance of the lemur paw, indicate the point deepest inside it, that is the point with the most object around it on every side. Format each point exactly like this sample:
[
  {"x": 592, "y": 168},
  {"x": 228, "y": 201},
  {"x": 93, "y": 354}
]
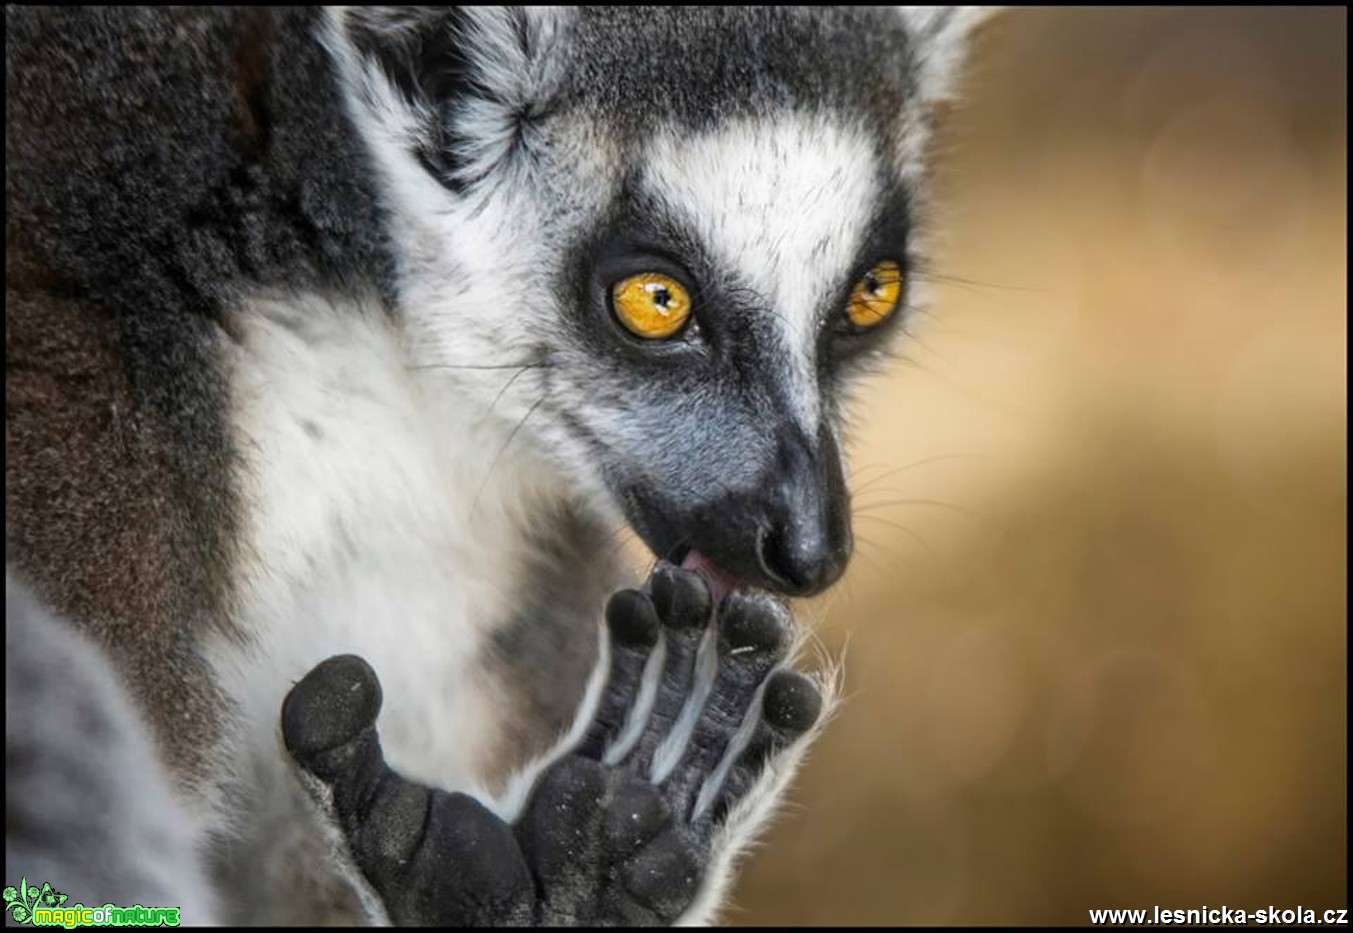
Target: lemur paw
[
  {"x": 431, "y": 856},
  {"x": 622, "y": 829},
  {"x": 670, "y": 741}
]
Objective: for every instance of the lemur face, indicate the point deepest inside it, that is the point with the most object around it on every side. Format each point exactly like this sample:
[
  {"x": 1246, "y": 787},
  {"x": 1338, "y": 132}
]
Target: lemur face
[
  {"x": 685, "y": 258},
  {"x": 714, "y": 314}
]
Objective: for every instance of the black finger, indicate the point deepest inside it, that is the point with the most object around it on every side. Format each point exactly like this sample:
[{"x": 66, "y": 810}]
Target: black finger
[
  {"x": 432, "y": 856},
  {"x": 327, "y": 711},
  {"x": 754, "y": 636},
  {"x": 790, "y": 705},
  {"x": 684, "y": 608},
  {"x": 633, "y": 626}
]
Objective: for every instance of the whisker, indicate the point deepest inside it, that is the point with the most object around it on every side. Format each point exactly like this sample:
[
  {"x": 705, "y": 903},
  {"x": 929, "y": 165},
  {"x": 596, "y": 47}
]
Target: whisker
[
  {"x": 923, "y": 272},
  {"x": 971, "y": 514},
  {"x": 872, "y": 465},
  {"x": 966, "y": 391},
  {"x": 619, "y": 537},
  {"x": 498, "y": 456},
  {"x": 902, "y": 528},
  {"x": 540, "y": 364},
  {"x": 873, "y": 552},
  {"x": 912, "y": 465},
  {"x": 911, "y": 336},
  {"x": 501, "y": 392},
  {"x": 874, "y": 563}
]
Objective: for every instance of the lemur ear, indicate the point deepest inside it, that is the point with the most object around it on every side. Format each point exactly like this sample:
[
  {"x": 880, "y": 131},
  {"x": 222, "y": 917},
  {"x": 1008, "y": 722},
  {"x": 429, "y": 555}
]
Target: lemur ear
[
  {"x": 939, "y": 41},
  {"x": 457, "y": 87}
]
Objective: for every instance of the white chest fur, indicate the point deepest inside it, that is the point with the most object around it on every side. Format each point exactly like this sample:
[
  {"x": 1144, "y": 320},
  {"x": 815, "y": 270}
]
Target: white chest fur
[{"x": 380, "y": 520}]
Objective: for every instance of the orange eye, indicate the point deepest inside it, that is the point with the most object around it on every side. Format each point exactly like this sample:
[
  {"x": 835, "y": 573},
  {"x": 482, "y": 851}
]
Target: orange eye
[
  {"x": 876, "y": 295},
  {"x": 651, "y": 305}
]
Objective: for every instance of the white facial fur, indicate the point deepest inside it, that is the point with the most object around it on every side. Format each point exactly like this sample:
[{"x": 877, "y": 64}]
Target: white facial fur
[
  {"x": 784, "y": 206},
  {"x": 780, "y": 205},
  {"x": 473, "y": 269}
]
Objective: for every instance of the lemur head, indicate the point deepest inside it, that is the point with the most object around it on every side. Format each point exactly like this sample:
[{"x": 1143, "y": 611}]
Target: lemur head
[{"x": 677, "y": 233}]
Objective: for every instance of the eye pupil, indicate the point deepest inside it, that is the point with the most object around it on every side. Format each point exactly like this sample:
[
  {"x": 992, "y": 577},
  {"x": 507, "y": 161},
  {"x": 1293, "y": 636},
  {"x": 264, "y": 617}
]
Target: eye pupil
[
  {"x": 876, "y": 294},
  {"x": 651, "y": 305}
]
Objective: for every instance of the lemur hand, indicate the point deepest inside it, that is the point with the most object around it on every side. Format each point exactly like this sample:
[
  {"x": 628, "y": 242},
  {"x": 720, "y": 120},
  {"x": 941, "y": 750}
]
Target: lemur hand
[{"x": 622, "y": 829}]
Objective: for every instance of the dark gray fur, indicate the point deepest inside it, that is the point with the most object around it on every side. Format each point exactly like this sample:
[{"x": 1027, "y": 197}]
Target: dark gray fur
[
  {"x": 740, "y": 61},
  {"x": 157, "y": 164}
]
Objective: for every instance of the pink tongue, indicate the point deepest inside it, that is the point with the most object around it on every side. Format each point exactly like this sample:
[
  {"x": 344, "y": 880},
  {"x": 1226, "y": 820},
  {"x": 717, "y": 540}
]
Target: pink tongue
[{"x": 720, "y": 581}]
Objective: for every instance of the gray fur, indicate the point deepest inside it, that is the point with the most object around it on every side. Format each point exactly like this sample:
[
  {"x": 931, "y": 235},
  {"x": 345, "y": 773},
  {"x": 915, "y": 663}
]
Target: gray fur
[{"x": 88, "y": 807}]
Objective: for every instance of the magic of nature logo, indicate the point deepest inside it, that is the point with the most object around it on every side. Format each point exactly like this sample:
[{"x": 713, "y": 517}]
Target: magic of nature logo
[{"x": 46, "y": 907}]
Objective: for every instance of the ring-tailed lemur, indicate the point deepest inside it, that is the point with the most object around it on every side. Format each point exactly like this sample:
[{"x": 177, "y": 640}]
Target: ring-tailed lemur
[{"x": 336, "y": 343}]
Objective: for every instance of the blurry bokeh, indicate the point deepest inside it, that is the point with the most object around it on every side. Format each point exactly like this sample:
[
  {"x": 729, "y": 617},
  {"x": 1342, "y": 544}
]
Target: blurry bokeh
[{"x": 1095, "y": 636}]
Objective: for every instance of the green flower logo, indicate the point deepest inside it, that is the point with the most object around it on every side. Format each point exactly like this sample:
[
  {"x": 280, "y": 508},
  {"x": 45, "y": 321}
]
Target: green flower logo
[{"x": 20, "y": 902}]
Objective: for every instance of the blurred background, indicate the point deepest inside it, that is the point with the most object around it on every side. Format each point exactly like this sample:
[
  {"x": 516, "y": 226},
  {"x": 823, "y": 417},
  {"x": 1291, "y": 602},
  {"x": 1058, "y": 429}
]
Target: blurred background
[{"x": 1094, "y": 635}]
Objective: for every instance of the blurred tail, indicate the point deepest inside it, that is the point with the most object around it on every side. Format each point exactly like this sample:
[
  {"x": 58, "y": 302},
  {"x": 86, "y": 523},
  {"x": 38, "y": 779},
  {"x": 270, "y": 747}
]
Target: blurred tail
[{"x": 89, "y": 809}]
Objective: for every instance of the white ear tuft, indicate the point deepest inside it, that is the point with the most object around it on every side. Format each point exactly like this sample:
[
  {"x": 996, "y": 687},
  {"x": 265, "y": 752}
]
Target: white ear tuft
[
  {"x": 452, "y": 86},
  {"x": 511, "y": 77},
  {"x": 940, "y": 38}
]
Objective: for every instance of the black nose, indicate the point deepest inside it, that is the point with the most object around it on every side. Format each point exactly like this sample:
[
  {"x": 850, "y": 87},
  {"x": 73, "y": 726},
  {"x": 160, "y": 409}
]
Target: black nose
[
  {"x": 788, "y": 532},
  {"x": 805, "y": 541}
]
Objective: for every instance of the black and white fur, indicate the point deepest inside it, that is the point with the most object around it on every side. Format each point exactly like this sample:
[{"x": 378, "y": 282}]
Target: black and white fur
[{"x": 309, "y": 355}]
